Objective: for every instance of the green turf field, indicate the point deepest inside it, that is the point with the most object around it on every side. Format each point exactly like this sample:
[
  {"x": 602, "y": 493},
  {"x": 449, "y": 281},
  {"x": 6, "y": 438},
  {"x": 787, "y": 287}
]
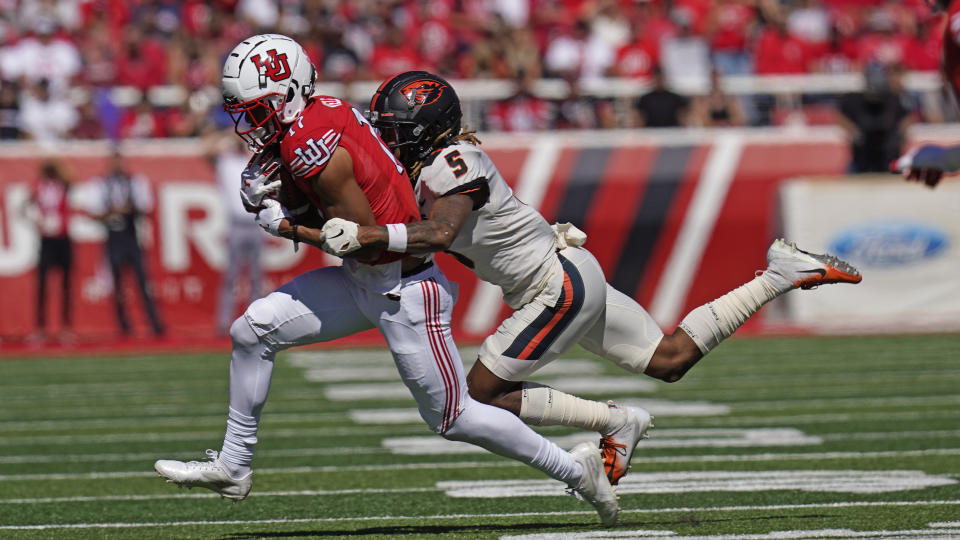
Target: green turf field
[{"x": 847, "y": 437}]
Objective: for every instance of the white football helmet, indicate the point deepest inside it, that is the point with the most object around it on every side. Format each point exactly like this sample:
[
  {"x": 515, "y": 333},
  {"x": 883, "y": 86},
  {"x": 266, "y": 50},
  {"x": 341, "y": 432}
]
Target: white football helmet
[{"x": 267, "y": 80}]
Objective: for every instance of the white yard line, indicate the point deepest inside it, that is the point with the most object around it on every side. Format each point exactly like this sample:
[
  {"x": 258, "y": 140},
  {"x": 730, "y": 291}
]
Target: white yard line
[
  {"x": 10, "y": 427},
  {"x": 127, "y": 525},
  {"x": 209, "y": 495},
  {"x": 663, "y": 438},
  {"x": 814, "y": 456},
  {"x": 736, "y": 403}
]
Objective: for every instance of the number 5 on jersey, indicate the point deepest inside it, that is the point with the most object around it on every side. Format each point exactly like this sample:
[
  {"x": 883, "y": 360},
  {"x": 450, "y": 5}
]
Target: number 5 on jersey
[{"x": 456, "y": 163}]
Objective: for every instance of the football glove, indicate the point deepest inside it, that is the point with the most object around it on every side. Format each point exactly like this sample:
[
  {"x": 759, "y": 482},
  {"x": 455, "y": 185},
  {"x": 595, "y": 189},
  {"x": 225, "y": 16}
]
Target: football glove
[
  {"x": 257, "y": 180},
  {"x": 927, "y": 164},
  {"x": 270, "y": 215},
  {"x": 340, "y": 237}
]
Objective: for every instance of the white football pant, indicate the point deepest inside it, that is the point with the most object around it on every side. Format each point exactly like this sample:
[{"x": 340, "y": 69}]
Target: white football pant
[
  {"x": 326, "y": 304},
  {"x": 575, "y": 307}
]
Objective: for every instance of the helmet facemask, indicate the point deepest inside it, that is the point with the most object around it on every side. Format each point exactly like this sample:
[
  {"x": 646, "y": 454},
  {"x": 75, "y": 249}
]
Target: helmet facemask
[
  {"x": 256, "y": 121},
  {"x": 404, "y": 138}
]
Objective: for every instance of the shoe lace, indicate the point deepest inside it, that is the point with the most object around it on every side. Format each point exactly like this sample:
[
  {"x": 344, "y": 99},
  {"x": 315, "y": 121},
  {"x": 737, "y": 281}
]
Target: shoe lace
[
  {"x": 609, "y": 449},
  {"x": 211, "y": 454}
]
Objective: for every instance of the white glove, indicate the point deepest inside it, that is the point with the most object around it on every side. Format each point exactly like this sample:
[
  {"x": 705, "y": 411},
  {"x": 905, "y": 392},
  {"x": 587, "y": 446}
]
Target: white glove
[
  {"x": 270, "y": 216},
  {"x": 256, "y": 181},
  {"x": 566, "y": 235},
  {"x": 340, "y": 237}
]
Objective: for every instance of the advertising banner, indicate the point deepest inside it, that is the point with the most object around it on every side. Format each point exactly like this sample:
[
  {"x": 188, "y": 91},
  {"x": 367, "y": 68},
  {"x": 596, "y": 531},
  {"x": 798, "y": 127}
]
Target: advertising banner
[{"x": 905, "y": 239}]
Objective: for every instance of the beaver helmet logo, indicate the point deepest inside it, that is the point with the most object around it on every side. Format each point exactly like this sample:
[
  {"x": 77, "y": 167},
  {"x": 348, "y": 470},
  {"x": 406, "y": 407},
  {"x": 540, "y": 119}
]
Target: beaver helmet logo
[{"x": 422, "y": 92}]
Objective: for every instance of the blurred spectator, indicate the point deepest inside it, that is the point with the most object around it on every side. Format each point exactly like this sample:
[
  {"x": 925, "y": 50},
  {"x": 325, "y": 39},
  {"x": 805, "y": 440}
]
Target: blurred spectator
[
  {"x": 638, "y": 56},
  {"x": 778, "y": 52},
  {"x": 88, "y": 126},
  {"x": 395, "y": 55},
  {"x": 90, "y": 46},
  {"x": 660, "y": 107},
  {"x": 685, "y": 57},
  {"x": 730, "y": 26},
  {"x": 579, "y": 111},
  {"x": 875, "y": 120},
  {"x": 522, "y": 111},
  {"x": 838, "y": 54},
  {"x": 885, "y": 42},
  {"x": 49, "y": 209},
  {"x": 521, "y": 54},
  {"x": 143, "y": 61},
  {"x": 566, "y": 52},
  {"x": 9, "y": 110},
  {"x": 42, "y": 56},
  {"x": 45, "y": 118},
  {"x": 142, "y": 121},
  {"x": 716, "y": 109},
  {"x": 123, "y": 200},
  {"x": 809, "y": 21},
  {"x": 340, "y": 63},
  {"x": 244, "y": 238}
]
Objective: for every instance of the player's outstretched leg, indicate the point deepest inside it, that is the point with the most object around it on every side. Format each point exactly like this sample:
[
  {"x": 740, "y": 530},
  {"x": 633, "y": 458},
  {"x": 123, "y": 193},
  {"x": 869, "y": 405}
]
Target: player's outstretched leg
[
  {"x": 788, "y": 268},
  {"x": 210, "y": 474},
  {"x": 594, "y": 486},
  {"x": 616, "y": 447}
]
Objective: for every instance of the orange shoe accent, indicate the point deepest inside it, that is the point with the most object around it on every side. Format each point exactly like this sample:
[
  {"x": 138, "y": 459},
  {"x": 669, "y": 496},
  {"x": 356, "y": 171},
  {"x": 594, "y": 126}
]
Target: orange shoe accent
[
  {"x": 826, "y": 276},
  {"x": 610, "y": 451}
]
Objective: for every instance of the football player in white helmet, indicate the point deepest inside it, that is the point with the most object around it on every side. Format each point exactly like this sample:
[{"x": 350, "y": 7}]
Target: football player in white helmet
[
  {"x": 334, "y": 157},
  {"x": 557, "y": 287}
]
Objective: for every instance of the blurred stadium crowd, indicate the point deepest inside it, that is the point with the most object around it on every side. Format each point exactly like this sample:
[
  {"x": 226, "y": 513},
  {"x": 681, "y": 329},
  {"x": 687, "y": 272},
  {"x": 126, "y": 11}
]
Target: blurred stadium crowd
[{"x": 89, "y": 69}]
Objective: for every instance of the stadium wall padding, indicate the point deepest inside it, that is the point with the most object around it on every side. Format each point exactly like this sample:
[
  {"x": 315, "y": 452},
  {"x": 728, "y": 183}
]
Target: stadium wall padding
[{"x": 675, "y": 217}]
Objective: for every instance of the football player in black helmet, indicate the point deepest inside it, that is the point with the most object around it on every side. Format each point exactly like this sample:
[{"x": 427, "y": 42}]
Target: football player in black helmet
[
  {"x": 417, "y": 112},
  {"x": 556, "y": 287}
]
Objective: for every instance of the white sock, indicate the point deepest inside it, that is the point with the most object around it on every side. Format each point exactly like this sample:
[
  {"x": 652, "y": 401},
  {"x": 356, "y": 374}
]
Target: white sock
[
  {"x": 544, "y": 406},
  {"x": 715, "y": 321},
  {"x": 502, "y": 433},
  {"x": 237, "y": 452},
  {"x": 251, "y": 369}
]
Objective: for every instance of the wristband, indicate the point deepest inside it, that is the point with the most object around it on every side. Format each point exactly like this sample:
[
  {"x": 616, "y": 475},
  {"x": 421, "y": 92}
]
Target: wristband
[{"x": 397, "y": 237}]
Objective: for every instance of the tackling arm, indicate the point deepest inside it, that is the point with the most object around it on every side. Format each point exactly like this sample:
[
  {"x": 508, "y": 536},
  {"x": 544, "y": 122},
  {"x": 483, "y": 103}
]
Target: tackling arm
[
  {"x": 340, "y": 196},
  {"x": 433, "y": 234}
]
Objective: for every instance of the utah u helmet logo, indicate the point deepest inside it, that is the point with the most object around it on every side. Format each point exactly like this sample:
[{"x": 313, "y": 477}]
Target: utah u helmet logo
[
  {"x": 275, "y": 67},
  {"x": 422, "y": 92}
]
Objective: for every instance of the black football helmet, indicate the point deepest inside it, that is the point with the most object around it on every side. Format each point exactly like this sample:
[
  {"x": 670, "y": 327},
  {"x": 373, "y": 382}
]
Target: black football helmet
[{"x": 412, "y": 110}]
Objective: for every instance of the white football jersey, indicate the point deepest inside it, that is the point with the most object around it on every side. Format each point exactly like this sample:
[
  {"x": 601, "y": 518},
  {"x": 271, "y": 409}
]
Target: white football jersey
[{"x": 504, "y": 241}]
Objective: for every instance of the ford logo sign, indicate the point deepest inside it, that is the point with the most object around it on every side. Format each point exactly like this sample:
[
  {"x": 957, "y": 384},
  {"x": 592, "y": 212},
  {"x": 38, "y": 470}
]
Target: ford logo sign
[{"x": 889, "y": 244}]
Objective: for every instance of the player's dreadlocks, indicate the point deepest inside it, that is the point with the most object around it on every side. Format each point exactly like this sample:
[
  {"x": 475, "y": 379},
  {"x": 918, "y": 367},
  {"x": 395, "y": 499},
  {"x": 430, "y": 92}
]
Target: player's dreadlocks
[{"x": 465, "y": 135}]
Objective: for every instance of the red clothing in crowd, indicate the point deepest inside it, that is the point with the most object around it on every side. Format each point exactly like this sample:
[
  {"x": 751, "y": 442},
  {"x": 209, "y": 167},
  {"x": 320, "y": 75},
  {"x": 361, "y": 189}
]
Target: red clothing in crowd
[
  {"x": 780, "y": 53},
  {"x": 732, "y": 21},
  {"x": 637, "y": 59}
]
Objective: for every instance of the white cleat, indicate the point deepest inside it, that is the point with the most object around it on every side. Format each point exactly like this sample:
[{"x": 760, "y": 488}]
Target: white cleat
[
  {"x": 788, "y": 263},
  {"x": 616, "y": 448},
  {"x": 206, "y": 474},
  {"x": 594, "y": 487}
]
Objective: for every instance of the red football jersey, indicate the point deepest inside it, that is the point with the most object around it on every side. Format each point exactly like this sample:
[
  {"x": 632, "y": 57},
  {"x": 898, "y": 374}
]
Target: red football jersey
[
  {"x": 951, "y": 48},
  {"x": 328, "y": 122}
]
